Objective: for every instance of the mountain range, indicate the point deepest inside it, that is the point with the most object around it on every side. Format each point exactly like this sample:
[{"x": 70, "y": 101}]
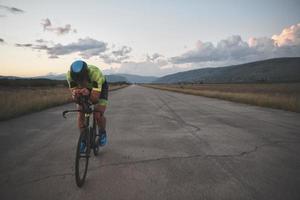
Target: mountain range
[
  {"x": 129, "y": 78},
  {"x": 272, "y": 70},
  {"x": 138, "y": 78},
  {"x": 112, "y": 78}
]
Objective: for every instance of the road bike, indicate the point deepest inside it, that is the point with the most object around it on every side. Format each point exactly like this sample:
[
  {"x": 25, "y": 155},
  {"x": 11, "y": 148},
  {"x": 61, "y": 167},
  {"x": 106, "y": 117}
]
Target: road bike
[{"x": 89, "y": 136}]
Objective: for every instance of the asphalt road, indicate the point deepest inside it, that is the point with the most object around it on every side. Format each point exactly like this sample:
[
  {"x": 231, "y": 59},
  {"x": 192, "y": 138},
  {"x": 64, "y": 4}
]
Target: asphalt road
[{"x": 162, "y": 145}]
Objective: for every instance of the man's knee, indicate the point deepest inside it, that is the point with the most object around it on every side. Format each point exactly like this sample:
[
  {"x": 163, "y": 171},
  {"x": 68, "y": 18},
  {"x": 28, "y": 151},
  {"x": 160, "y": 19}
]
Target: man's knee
[
  {"x": 100, "y": 112},
  {"x": 98, "y": 116},
  {"x": 100, "y": 108}
]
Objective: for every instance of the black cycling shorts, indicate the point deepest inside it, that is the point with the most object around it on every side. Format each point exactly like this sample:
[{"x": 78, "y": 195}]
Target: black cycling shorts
[{"x": 104, "y": 91}]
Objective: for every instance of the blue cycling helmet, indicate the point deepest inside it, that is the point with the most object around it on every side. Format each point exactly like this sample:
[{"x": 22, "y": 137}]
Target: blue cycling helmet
[{"x": 79, "y": 70}]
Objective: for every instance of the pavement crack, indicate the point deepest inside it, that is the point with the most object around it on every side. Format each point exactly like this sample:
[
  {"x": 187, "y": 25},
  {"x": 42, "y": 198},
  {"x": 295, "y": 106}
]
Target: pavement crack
[
  {"x": 205, "y": 156},
  {"x": 179, "y": 119},
  {"x": 44, "y": 178},
  {"x": 290, "y": 126},
  {"x": 243, "y": 153}
]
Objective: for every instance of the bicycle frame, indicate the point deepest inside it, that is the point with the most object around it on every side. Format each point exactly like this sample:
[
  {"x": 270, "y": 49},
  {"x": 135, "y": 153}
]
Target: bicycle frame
[{"x": 87, "y": 110}]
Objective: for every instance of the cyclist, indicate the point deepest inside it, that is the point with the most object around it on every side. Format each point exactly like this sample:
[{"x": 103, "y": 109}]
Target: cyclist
[{"x": 86, "y": 79}]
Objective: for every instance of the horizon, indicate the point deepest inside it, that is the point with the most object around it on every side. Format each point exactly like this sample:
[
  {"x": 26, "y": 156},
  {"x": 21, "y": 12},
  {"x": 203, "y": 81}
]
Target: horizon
[
  {"x": 146, "y": 38},
  {"x": 58, "y": 74}
]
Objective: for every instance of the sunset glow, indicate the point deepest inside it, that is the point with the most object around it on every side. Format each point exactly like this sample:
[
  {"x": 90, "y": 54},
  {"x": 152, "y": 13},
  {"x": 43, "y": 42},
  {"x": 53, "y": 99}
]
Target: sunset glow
[{"x": 143, "y": 37}]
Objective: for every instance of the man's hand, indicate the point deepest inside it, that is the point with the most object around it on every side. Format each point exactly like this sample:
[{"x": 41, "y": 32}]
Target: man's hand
[
  {"x": 84, "y": 92},
  {"x": 94, "y": 96},
  {"x": 76, "y": 92}
]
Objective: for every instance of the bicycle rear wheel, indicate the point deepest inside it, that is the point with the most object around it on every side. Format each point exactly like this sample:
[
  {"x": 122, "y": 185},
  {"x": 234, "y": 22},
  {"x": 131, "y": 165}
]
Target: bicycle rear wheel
[
  {"x": 95, "y": 138},
  {"x": 82, "y": 160}
]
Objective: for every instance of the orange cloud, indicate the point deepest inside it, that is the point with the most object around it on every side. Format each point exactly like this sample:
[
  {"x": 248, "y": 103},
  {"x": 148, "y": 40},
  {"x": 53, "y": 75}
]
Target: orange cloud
[{"x": 288, "y": 37}]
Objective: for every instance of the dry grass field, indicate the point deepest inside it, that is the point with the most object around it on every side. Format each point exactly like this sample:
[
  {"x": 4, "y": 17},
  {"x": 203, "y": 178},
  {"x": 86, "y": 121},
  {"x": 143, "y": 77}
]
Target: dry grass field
[
  {"x": 284, "y": 96},
  {"x": 113, "y": 87},
  {"x": 15, "y": 101}
]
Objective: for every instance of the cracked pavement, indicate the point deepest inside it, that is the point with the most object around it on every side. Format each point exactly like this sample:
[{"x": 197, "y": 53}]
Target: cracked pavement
[{"x": 162, "y": 145}]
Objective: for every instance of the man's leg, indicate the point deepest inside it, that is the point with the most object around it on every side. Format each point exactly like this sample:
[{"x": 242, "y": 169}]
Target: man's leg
[
  {"x": 80, "y": 124},
  {"x": 102, "y": 107},
  {"x": 100, "y": 118},
  {"x": 101, "y": 121},
  {"x": 80, "y": 119}
]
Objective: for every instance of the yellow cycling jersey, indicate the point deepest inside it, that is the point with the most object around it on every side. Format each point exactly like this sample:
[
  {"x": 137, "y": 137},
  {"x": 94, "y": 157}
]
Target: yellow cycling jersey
[{"x": 95, "y": 81}]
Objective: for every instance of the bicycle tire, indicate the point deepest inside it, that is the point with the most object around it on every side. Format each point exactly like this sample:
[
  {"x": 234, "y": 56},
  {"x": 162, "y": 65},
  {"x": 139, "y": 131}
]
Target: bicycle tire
[
  {"x": 96, "y": 147},
  {"x": 95, "y": 140},
  {"x": 80, "y": 174}
]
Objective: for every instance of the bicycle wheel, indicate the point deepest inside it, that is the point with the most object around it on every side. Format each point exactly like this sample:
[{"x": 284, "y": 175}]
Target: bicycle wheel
[
  {"x": 95, "y": 140},
  {"x": 82, "y": 160}
]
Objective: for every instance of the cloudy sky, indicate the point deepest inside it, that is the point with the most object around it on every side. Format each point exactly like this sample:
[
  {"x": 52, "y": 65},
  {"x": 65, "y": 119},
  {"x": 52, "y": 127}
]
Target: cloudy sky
[{"x": 144, "y": 37}]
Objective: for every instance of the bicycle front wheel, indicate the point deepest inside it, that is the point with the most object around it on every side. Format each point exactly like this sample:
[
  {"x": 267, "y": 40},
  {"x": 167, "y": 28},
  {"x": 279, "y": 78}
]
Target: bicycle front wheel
[
  {"x": 95, "y": 139},
  {"x": 82, "y": 159}
]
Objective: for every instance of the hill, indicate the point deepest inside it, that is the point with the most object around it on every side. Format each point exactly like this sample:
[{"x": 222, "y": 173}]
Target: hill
[
  {"x": 112, "y": 78},
  {"x": 28, "y": 82},
  {"x": 53, "y": 76},
  {"x": 272, "y": 70},
  {"x": 9, "y": 77},
  {"x": 137, "y": 78},
  {"x": 52, "y": 80},
  {"x": 115, "y": 78}
]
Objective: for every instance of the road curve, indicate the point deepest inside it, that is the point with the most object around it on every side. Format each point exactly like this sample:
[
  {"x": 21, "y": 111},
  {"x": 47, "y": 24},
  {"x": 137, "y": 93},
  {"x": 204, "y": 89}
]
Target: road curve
[{"x": 162, "y": 145}]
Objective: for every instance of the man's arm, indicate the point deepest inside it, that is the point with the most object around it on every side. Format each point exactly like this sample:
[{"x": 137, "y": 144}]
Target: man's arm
[
  {"x": 73, "y": 86},
  {"x": 97, "y": 76}
]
